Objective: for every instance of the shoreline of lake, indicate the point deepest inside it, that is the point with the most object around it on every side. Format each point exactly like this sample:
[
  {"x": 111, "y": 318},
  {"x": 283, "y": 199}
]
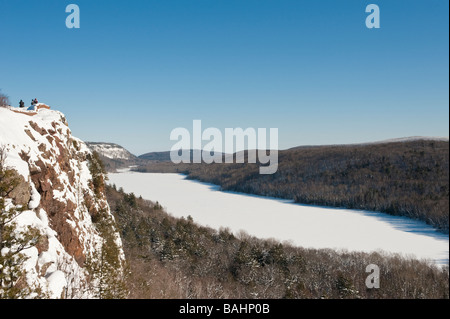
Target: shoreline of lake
[{"x": 302, "y": 225}]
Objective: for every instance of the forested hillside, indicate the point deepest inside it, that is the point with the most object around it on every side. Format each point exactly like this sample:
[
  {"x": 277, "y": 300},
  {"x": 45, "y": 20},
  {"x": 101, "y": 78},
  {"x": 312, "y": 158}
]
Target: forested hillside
[
  {"x": 176, "y": 258},
  {"x": 403, "y": 178}
]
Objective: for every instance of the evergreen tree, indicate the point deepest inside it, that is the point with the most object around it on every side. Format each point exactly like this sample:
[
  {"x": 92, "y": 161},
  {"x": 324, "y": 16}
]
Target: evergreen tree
[
  {"x": 106, "y": 269},
  {"x": 13, "y": 241},
  {"x": 98, "y": 172}
]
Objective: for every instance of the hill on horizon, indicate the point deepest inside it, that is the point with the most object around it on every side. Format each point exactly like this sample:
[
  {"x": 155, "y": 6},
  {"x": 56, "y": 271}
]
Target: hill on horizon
[
  {"x": 406, "y": 178},
  {"x": 116, "y": 151}
]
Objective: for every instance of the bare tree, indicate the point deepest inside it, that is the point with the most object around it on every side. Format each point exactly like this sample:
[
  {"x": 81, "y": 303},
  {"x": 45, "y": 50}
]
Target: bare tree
[{"x": 4, "y": 100}]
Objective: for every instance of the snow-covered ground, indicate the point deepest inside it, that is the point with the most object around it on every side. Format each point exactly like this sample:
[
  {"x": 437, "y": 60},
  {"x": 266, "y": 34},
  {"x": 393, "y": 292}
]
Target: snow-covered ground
[{"x": 302, "y": 225}]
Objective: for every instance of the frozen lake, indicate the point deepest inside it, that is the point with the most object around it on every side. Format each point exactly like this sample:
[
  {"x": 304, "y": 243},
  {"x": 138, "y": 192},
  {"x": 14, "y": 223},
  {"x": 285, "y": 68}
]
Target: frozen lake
[{"x": 302, "y": 225}]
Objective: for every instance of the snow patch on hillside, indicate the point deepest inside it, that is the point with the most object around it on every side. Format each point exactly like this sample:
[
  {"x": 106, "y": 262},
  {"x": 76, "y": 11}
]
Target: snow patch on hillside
[{"x": 110, "y": 150}]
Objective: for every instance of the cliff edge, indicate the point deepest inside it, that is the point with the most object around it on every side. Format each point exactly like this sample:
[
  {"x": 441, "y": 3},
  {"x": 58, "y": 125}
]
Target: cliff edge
[{"x": 59, "y": 194}]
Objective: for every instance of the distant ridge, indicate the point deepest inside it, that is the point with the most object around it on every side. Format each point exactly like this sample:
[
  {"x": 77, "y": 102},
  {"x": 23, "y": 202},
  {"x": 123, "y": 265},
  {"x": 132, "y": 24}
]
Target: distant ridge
[
  {"x": 413, "y": 138},
  {"x": 111, "y": 150},
  {"x": 165, "y": 156},
  {"x": 403, "y": 176},
  {"x": 113, "y": 155},
  {"x": 156, "y": 156},
  {"x": 392, "y": 140}
]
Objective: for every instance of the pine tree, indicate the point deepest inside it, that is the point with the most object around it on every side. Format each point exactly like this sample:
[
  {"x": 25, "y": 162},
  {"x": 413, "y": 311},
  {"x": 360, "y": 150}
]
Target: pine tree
[
  {"x": 106, "y": 269},
  {"x": 98, "y": 172},
  {"x": 13, "y": 241}
]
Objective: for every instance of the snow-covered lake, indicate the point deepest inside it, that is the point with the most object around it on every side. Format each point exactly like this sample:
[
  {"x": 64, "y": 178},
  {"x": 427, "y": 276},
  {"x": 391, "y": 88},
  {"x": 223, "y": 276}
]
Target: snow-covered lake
[{"x": 302, "y": 225}]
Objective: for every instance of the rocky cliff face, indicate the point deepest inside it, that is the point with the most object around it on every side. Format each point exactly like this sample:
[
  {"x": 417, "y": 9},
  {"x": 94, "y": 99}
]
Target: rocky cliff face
[{"x": 61, "y": 188}]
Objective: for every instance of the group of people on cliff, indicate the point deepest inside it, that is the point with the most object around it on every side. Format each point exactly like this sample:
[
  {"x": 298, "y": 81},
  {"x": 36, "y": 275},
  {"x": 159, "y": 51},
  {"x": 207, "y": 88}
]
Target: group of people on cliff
[{"x": 33, "y": 102}]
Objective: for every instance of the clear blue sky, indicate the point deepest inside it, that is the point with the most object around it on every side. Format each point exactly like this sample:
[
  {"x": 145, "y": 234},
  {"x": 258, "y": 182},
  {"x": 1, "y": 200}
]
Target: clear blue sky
[{"x": 135, "y": 70}]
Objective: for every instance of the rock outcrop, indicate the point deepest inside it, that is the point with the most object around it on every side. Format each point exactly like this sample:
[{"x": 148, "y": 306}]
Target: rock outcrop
[{"x": 61, "y": 199}]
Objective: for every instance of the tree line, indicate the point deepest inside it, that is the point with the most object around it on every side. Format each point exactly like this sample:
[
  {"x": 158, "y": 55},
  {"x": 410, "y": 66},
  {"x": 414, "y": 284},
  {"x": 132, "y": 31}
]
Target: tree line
[{"x": 176, "y": 258}]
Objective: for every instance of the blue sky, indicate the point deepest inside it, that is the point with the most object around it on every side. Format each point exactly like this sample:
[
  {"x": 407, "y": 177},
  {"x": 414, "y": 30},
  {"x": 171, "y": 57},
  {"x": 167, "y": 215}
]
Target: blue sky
[{"x": 135, "y": 70}]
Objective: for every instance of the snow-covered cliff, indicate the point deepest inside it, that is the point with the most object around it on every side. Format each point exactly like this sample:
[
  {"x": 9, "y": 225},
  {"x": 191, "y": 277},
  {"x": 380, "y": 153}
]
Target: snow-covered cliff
[{"x": 62, "y": 200}]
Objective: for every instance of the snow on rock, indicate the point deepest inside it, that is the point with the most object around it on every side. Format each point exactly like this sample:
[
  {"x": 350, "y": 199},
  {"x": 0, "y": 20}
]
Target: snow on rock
[
  {"x": 35, "y": 198},
  {"x": 62, "y": 201},
  {"x": 56, "y": 283}
]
